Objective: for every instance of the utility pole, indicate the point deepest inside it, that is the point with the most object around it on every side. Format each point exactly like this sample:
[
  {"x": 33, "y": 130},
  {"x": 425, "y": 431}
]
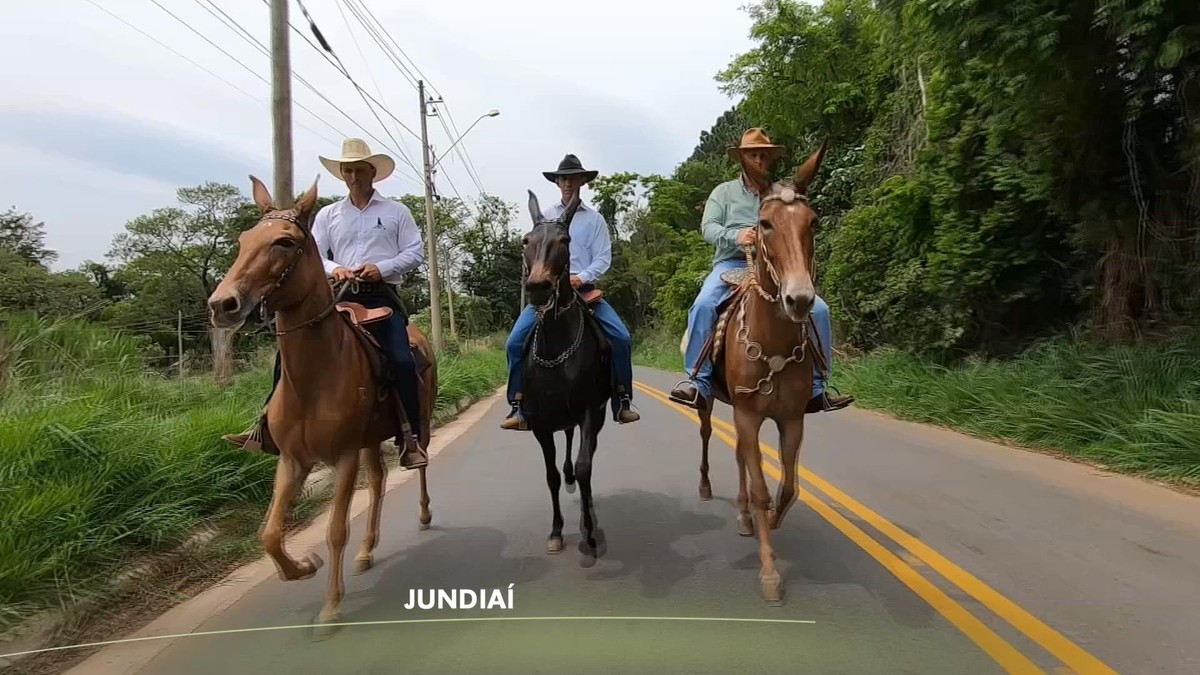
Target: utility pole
[
  {"x": 281, "y": 99},
  {"x": 435, "y": 293}
]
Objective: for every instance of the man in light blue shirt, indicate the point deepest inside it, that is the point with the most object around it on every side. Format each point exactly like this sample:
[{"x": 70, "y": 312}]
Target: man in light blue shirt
[
  {"x": 368, "y": 238},
  {"x": 591, "y": 255},
  {"x": 728, "y": 224}
]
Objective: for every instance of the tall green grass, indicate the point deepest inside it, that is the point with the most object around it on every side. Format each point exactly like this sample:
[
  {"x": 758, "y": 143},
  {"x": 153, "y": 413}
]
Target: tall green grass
[
  {"x": 1132, "y": 408},
  {"x": 102, "y": 461}
]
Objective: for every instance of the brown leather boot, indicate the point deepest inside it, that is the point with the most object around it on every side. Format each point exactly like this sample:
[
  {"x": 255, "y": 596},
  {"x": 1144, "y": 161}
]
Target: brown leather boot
[
  {"x": 251, "y": 440},
  {"x": 825, "y": 403},
  {"x": 625, "y": 413},
  {"x": 412, "y": 456},
  {"x": 515, "y": 420},
  {"x": 686, "y": 393}
]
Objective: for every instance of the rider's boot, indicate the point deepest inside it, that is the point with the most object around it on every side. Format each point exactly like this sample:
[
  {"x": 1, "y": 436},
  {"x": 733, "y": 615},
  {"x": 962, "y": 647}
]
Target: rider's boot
[
  {"x": 823, "y": 402},
  {"x": 412, "y": 455},
  {"x": 516, "y": 418},
  {"x": 255, "y": 439},
  {"x": 687, "y": 393},
  {"x": 625, "y": 412}
]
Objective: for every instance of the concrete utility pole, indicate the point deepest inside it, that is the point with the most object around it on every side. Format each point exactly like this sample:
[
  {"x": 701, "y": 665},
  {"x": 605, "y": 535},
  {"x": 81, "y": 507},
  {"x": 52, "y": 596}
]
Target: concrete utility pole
[
  {"x": 435, "y": 293},
  {"x": 281, "y": 99}
]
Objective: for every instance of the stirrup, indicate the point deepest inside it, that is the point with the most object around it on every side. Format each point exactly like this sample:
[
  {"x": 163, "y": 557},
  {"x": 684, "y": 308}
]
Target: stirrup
[
  {"x": 412, "y": 455},
  {"x": 693, "y": 403}
]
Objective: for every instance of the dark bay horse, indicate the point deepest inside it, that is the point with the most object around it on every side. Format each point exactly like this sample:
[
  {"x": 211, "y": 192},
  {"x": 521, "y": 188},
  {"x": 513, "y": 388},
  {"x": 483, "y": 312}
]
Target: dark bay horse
[
  {"x": 330, "y": 405},
  {"x": 764, "y": 358},
  {"x": 567, "y": 376}
]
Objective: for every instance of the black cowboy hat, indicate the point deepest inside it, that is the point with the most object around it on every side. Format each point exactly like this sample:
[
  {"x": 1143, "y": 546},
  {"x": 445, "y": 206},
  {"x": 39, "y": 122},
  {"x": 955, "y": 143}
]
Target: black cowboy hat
[{"x": 570, "y": 166}]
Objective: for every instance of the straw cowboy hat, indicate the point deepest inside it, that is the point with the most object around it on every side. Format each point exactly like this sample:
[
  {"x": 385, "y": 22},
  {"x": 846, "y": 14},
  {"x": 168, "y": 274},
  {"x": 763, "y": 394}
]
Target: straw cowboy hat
[
  {"x": 357, "y": 150},
  {"x": 756, "y": 139},
  {"x": 570, "y": 166}
]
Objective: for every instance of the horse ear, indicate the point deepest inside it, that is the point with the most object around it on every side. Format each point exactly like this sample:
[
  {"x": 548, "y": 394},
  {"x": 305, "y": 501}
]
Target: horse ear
[
  {"x": 262, "y": 196},
  {"x": 808, "y": 170},
  {"x": 570, "y": 212},
  {"x": 309, "y": 199},
  {"x": 534, "y": 210}
]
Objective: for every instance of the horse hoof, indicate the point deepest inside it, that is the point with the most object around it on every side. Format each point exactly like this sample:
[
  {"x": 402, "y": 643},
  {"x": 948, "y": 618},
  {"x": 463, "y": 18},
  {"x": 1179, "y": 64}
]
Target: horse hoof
[
  {"x": 772, "y": 590},
  {"x": 570, "y": 488},
  {"x": 705, "y": 493},
  {"x": 554, "y": 545},
  {"x": 745, "y": 526},
  {"x": 363, "y": 564},
  {"x": 325, "y": 630}
]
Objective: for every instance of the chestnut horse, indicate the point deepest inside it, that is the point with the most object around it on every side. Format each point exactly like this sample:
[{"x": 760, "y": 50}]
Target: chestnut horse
[
  {"x": 764, "y": 357},
  {"x": 329, "y": 405}
]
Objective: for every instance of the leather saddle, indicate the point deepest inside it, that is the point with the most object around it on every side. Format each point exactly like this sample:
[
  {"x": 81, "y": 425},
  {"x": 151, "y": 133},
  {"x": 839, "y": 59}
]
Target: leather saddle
[{"x": 361, "y": 316}]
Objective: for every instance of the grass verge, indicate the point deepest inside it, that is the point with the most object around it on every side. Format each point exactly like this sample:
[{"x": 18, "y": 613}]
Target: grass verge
[
  {"x": 1133, "y": 409},
  {"x": 105, "y": 466}
]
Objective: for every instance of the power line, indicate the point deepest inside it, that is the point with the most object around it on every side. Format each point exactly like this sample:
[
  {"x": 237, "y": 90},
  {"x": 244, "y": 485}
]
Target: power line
[
  {"x": 361, "y": 92},
  {"x": 185, "y": 58},
  {"x": 248, "y": 37},
  {"x": 473, "y": 178}
]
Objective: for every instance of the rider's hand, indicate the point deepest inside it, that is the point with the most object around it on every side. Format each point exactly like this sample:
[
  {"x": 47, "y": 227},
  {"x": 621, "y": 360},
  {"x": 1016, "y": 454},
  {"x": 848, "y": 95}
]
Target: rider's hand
[
  {"x": 747, "y": 237},
  {"x": 576, "y": 282},
  {"x": 343, "y": 274},
  {"x": 368, "y": 272}
]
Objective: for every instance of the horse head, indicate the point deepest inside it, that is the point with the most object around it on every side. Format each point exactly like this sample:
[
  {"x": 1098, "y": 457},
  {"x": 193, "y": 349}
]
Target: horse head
[
  {"x": 269, "y": 254},
  {"x": 786, "y": 228},
  {"x": 547, "y": 252}
]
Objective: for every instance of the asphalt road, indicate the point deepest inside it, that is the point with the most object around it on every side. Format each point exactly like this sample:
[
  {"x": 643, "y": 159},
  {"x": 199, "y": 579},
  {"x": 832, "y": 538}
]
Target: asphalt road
[{"x": 914, "y": 551}]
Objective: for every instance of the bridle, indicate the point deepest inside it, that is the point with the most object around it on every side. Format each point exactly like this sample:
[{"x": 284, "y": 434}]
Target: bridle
[
  {"x": 291, "y": 217},
  {"x": 753, "y": 350},
  {"x": 552, "y": 304}
]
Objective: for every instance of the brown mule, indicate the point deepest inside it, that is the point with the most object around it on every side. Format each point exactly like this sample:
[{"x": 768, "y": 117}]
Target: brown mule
[
  {"x": 329, "y": 406},
  {"x": 764, "y": 352}
]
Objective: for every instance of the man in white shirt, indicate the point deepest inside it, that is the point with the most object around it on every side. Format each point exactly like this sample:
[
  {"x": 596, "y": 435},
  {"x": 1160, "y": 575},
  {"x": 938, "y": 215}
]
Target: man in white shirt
[
  {"x": 591, "y": 255},
  {"x": 375, "y": 241}
]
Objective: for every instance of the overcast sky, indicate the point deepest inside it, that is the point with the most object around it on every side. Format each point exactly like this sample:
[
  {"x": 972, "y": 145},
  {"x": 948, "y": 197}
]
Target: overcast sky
[{"x": 99, "y": 124}]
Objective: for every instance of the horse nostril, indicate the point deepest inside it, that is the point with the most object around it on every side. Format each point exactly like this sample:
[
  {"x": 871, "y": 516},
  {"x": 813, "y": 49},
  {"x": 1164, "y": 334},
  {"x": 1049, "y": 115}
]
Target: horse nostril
[{"x": 227, "y": 305}]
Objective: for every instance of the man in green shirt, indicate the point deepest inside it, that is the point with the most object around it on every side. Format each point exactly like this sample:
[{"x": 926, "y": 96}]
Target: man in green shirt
[{"x": 728, "y": 223}]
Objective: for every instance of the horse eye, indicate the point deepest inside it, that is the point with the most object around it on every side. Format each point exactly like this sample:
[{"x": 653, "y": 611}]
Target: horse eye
[
  {"x": 285, "y": 242},
  {"x": 766, "y": 224}
]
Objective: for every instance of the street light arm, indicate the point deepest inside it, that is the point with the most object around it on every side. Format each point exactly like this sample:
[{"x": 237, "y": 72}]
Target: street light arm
[{"x": 492, "y": 113}]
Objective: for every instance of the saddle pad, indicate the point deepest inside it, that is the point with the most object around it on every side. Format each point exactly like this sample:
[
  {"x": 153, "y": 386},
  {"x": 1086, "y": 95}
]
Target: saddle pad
[{"x": 735, "y": 277}]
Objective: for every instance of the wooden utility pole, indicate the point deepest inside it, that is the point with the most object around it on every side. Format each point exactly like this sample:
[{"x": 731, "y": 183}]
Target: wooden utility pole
[
  {"x": 435, "y": 294},
  {"x": 281, "y": 99}
]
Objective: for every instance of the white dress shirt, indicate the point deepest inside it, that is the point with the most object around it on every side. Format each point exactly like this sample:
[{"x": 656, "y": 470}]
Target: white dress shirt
[
  {"x": 591, "y": 246},
  {"x": 384, "y": 234}
]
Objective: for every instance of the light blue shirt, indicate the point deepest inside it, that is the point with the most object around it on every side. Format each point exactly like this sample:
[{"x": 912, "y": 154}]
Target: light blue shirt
[
  {"x": 591, "y": 246},
  {"x": 384, "y": 234},
  {"x": 730, "y": 209}
]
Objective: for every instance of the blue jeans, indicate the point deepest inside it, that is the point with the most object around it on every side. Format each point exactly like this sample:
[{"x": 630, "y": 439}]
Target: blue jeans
[
  {"x": 614, "y": 329},
  {"x": 702, "y": 320}
]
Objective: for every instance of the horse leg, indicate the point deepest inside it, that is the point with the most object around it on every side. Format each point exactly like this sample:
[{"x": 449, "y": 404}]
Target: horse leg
[
  {"x": 592, "y": 544},
  {"x": 376, "y": 472},
  {"x": 748, "y": 426},
  {"x": 424, "y": 514},
  {"x": 336, "y": 535},
  {"x": 745, "y": 526},
  {"x": 791, "y": 434},
  {"x": 289, "y": 478},
  {"x": 705, "y": 434},
  {"x": 554, "y": 543},
  {"x": 568, "y": 469}
]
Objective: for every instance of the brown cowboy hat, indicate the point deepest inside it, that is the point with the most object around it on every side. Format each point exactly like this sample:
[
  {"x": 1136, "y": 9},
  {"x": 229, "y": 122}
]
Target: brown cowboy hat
[
  {"x": 756, "y": 139},
  {"x": 570, "y": 166}
]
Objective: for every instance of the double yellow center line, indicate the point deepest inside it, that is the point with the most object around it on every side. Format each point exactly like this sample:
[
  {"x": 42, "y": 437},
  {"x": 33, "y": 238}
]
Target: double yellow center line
[{"x": 1012, "y": 660}]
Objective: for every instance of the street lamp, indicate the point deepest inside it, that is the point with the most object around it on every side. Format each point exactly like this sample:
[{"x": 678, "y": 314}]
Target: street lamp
[{"x": 490, "y": 113}]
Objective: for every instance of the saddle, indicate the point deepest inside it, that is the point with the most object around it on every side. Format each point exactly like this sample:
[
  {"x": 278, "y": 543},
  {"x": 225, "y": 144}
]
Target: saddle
[
  {"x": 713, "y": 347},
  {"x": 361, "y": 316},
  {"x": 590, "y": 295}
]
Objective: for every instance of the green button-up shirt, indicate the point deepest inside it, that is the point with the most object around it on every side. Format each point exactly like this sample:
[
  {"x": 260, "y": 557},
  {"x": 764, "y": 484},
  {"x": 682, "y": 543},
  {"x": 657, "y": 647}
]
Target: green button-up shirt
[{"x": 731, "y": 208}]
